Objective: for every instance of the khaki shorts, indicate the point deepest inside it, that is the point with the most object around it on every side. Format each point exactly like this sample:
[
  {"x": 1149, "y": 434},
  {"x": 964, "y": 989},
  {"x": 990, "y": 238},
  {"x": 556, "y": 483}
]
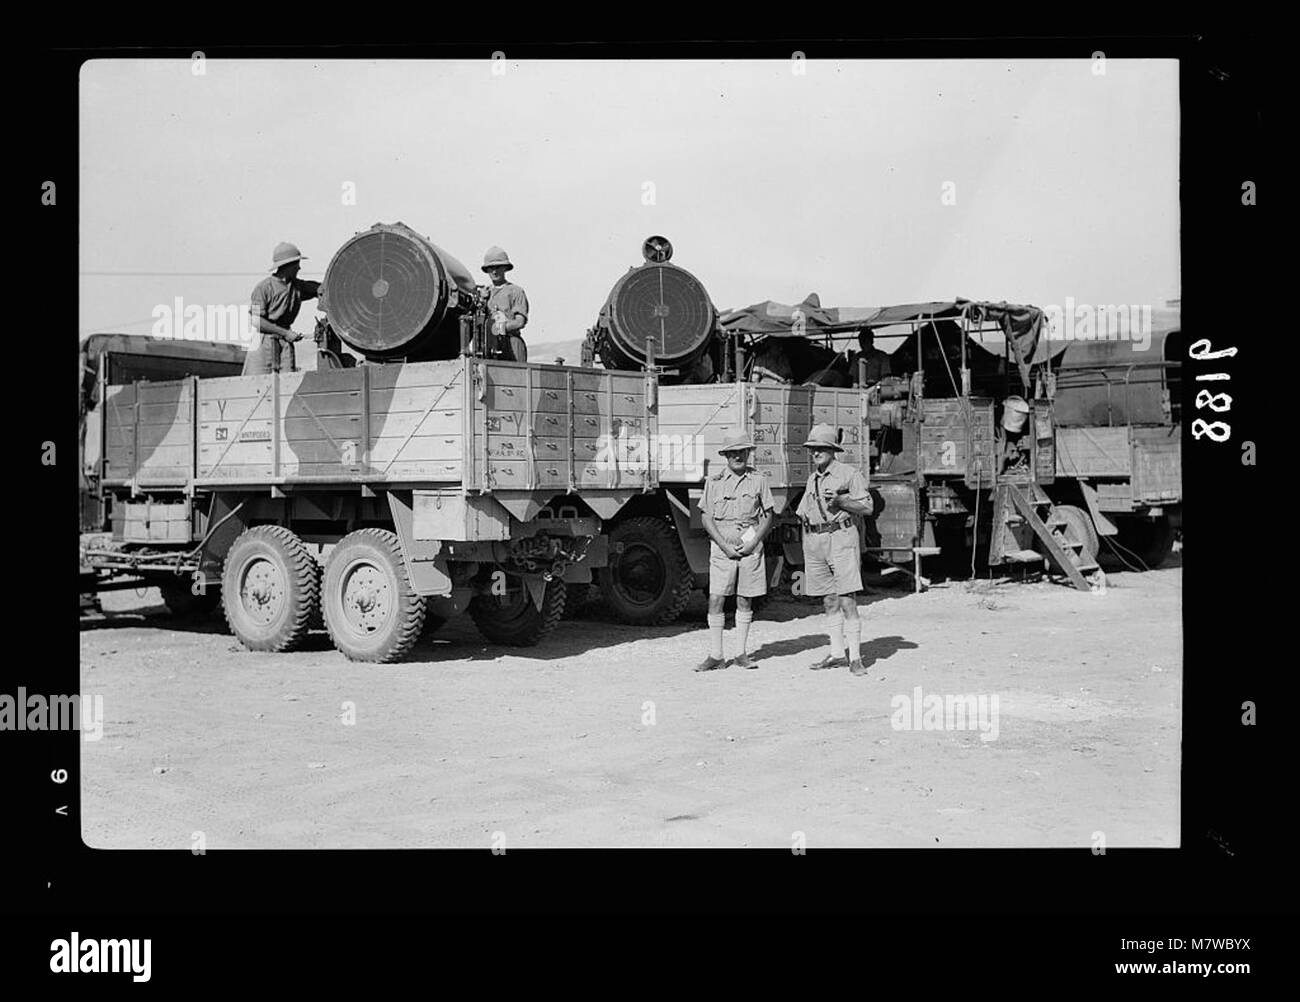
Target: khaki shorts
[
  {"x": 747, "y": 576},
  {"x": 832, "y": 562}
]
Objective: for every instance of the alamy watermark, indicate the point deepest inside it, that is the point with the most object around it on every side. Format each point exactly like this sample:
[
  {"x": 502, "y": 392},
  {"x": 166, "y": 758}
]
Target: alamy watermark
[
  {"x": 52, "y": 713},
  {"x": 75, "y": 955},
  {"x": 1084, "y": 322},
  {"x": 632, "y": 452},
  {"x": 934, "y": 712},
  {"x": 178, "y": 321}
]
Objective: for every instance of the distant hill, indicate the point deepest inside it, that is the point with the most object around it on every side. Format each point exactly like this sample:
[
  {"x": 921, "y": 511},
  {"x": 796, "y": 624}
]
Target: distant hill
[{"x": 546, "y": 351}]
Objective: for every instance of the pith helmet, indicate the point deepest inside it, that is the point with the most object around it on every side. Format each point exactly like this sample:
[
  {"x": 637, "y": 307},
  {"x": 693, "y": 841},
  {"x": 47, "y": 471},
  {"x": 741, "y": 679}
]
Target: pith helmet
[
  {"x": 737, "y": 441},
  {"x": 823, "y": 437},
  {"x": 496, "y": 256},
  {"x": 285, "y": 254}
]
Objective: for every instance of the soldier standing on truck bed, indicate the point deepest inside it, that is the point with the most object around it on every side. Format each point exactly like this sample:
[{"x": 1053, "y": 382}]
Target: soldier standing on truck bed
[
  {"x": 736, "y": 510},
  {"x": 832, "y": 561},
  {"x": 507, "y": 305},
  {"x": 275, "y": 302}
]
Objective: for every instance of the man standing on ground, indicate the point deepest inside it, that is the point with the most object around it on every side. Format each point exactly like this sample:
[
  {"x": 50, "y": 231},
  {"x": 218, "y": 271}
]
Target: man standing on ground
[
  {"x": 736, "y": 511},
  {"x": 836, "y": 492},
  {"x": 507, "y": 305},
  {"x": 275, "y": 303}
]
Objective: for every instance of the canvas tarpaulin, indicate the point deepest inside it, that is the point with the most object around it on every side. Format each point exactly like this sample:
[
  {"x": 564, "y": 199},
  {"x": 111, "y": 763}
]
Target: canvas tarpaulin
[{"x": 1023, "y": 326}]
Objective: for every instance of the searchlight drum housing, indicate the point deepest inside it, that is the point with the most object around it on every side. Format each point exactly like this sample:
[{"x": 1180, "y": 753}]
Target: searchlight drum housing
[
  {"x": 391, "y": 293},
  {"x": 660, "y": 302},
  {"x": 657, "y": 250}
]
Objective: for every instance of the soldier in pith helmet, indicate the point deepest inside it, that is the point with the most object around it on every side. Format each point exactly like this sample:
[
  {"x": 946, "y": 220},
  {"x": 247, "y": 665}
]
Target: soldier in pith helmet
[
  {"x": 274, "y": 306},
  {"x": 736, "y": 510},
  {"x": 835, "y": 496},
  {"x": 507, "y": 304}
]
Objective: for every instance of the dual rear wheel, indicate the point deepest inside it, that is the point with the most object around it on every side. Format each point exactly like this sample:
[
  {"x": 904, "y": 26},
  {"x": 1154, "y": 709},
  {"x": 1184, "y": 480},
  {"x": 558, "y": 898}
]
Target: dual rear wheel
[{"x": 274, "y": 591}]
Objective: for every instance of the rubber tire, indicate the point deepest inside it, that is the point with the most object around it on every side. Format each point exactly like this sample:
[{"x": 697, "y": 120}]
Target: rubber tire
[
  {"x": 660, "y": 537},
  {"x": 183, "y": 603},
  {"x": 301, "y": 573},
  {"x": 576, "y": 597},
  {"x": 528, "y": 625},
  {"x": 398, "y": 633},
  {"x": 1079, "y": 524}
]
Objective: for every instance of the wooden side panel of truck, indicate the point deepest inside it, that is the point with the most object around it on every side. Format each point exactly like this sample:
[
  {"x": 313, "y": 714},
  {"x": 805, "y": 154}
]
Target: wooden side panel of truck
[
  {"x": 471, "y": 423},
  {"x": 695, "y": 420}
]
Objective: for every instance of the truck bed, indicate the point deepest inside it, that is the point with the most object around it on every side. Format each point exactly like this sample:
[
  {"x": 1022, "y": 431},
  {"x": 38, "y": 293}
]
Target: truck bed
[
  {"x": 469, "y": 423},
  {"x": 1129, "y": 465}
]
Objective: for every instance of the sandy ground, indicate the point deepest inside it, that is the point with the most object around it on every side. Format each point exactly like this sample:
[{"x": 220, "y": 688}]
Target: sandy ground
[{"x": 603, "y": 736}]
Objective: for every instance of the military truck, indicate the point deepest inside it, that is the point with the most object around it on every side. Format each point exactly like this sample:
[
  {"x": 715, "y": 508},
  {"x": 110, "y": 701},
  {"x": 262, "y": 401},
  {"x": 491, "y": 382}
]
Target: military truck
[
  {"x": 429, "y": 479},
  {"x": 1099, "y": 437},
  {"x": 124, "y": 359},
  {"x": 1118, "y": 406},
  {"x": 659, "y": 318},
  {"x": 931, "y": 440}
]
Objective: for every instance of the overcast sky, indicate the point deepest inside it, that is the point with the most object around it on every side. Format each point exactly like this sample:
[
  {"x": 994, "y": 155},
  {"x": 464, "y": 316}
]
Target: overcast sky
[{"x": 770, "y": 184}]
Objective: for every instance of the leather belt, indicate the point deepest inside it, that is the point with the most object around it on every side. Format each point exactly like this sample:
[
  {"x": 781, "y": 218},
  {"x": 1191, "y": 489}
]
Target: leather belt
[{"x": 827, "y": 527}]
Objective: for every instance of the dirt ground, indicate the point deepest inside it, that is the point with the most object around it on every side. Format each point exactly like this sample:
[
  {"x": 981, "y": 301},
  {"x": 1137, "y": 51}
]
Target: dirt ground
[{"x": 603, "y": 736}]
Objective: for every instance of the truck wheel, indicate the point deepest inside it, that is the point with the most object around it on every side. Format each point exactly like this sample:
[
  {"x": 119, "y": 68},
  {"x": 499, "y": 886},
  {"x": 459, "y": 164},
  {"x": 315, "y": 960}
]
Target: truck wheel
[
  {"x": 648, "y": 581},
  {"x": 371, "y": 612},
  {"x": 270, "y": 589},
  {"x": 1078, "y": 528},
  {"x": 181, "y": 602},
  {"x": 512, "y": 619}
]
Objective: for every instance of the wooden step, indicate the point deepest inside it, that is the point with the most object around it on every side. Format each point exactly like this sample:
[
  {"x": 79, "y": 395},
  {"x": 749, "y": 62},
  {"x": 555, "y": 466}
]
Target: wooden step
[{"x": 1024, "y": 556}]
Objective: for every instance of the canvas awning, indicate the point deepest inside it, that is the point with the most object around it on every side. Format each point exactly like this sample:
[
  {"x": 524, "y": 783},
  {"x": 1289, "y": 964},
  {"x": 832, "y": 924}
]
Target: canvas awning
[{"x": 1023, "y": 326}]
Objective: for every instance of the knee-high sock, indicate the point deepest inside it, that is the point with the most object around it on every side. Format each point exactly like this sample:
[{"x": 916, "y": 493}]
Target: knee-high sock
[
  {"x": 743, "y": 618},
  {"x": 716, "y": 619},
  {"x": 853, "y": 634},
  {"x": 835, "y": 632}
]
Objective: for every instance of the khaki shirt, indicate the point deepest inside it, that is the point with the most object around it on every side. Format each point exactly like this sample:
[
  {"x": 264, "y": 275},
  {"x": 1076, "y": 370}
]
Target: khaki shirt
[
  {"x": 738, "y": 501},
  {"x": 510, "y": 300},
  {"x": 277, "y": 301},
  {"x": 838, "y": 476}
]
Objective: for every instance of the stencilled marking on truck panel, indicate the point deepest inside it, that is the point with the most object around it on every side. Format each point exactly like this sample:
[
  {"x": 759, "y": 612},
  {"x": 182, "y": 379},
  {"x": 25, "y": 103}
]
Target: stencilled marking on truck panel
[
  {"x": 250, "y": 436},
  {"x": 222, "y": 433},
  {"x": 505, "y": 448},
  {"x": 508, "y": 422},
  {"x": 626, "y": 425}
]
